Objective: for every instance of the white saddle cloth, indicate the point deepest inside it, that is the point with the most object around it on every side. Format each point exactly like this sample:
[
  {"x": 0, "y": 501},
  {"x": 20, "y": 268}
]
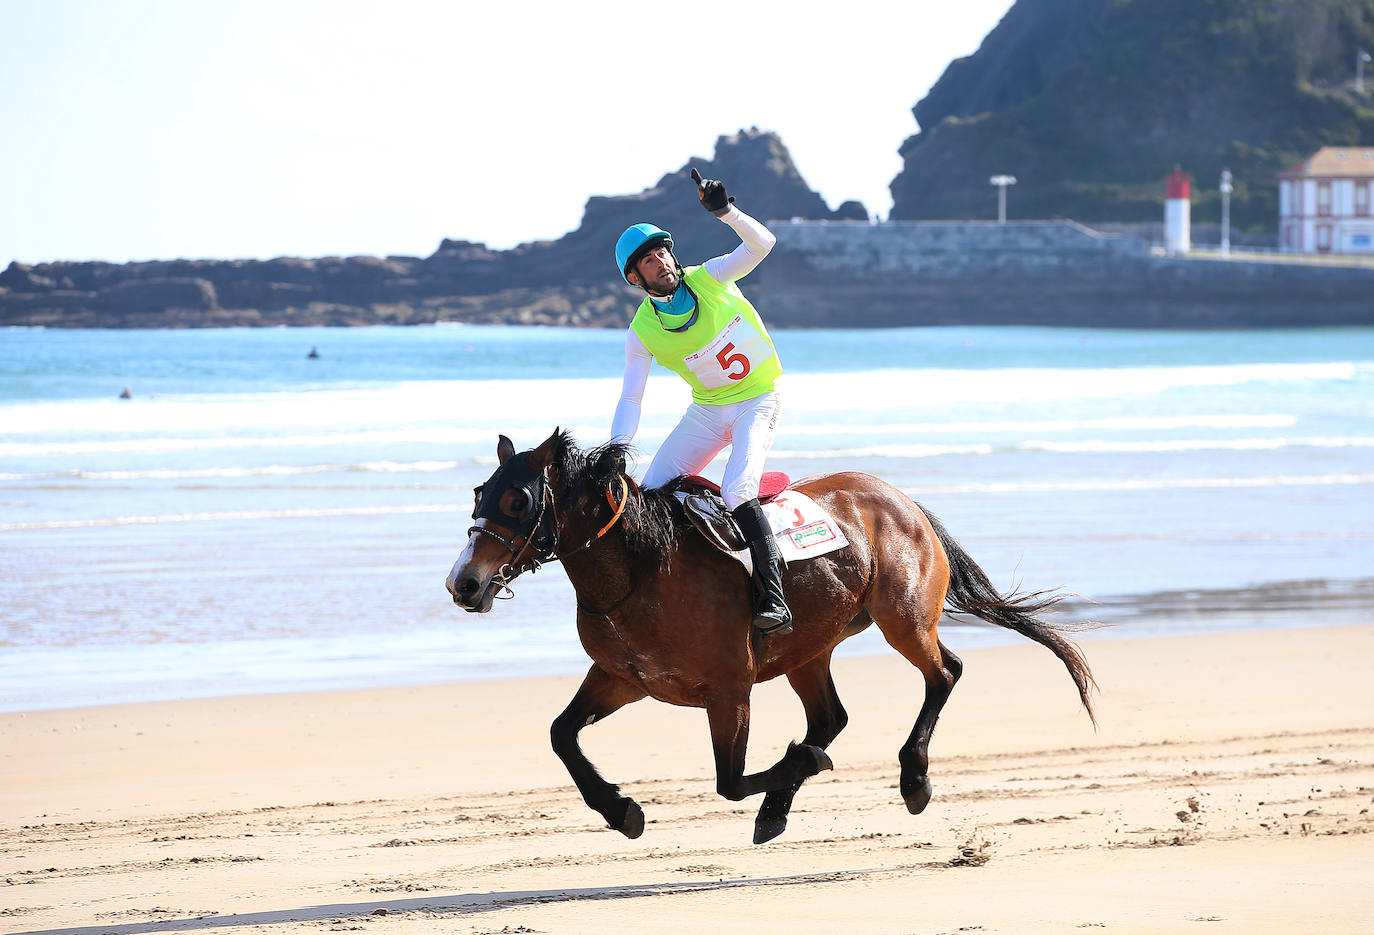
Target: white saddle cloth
[{"x": 801, "y": 527}]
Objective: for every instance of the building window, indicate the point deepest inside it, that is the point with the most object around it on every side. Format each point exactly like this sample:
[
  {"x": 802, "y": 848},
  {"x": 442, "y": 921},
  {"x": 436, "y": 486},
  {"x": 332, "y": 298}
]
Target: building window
[
  {"x": 1362, "y": 199},
  {"x": 1323, "y": 238},
  {"x": 1324, "y": 199}
]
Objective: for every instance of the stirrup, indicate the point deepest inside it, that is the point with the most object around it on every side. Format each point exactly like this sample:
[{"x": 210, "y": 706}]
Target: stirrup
[
  {"x": 775, "y": 626},
  {"x": 769, "y": 625}
]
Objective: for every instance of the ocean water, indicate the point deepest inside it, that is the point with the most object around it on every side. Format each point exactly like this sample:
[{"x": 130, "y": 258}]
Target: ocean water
[{"x": 253, "y": 519}]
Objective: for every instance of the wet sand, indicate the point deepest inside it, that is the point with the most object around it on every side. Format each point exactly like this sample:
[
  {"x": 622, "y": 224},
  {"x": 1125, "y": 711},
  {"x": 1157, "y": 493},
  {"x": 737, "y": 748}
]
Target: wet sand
[{"x": 1228, "y": 789}]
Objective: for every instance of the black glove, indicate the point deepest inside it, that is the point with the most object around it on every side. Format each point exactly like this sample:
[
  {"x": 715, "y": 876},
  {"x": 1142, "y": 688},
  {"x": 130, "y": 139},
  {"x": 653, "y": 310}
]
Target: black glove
[{"x": 712, "y": 194}]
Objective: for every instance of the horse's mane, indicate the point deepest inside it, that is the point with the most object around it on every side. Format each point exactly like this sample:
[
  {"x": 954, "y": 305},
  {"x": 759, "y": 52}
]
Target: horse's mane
[{"x": 651, "y": 515}]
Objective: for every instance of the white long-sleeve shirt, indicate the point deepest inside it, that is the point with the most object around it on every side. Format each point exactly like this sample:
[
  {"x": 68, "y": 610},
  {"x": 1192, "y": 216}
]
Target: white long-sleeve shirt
[{"x": 755, "y": 243}]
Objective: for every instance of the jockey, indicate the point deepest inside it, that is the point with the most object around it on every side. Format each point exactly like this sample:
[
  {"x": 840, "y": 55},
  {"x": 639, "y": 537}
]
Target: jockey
[{"x": 698, "y": 324}]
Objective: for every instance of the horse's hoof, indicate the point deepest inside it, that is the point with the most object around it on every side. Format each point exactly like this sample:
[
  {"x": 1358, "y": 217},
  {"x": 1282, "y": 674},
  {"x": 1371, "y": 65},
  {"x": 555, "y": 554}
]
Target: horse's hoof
[
  {"x": 823, "y": 761},
  {"x": 766, "y": 829},
  {"x": 809, "y": 758},
  {"x": 916, "y": 795},
  {"x": 631, "y": 824}
]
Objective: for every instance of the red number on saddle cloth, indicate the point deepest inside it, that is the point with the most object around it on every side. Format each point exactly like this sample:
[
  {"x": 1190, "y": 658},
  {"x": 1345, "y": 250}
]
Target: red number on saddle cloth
[{"x": 782, "y": 502}]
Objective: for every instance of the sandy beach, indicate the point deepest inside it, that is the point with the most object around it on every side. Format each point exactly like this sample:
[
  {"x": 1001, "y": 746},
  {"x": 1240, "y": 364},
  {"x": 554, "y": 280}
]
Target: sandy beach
[{"x": 1228, "y": 789}]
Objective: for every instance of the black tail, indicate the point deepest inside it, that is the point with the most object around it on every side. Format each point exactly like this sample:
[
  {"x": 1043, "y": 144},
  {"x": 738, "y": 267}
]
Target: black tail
[{"x": 971, "y": 592}]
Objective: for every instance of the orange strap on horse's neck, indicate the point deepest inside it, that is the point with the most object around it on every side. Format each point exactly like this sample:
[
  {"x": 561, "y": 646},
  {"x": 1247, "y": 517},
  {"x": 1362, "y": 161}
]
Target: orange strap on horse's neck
[{"x": 619, "y": 509}]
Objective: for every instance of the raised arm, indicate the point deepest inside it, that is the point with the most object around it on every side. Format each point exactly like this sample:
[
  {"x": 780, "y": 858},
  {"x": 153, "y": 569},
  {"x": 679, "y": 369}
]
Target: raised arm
[
  {"x": 755, "y": 242},
  {"x": 638, "y": 360},
  {"x": 755, "y": 239}
]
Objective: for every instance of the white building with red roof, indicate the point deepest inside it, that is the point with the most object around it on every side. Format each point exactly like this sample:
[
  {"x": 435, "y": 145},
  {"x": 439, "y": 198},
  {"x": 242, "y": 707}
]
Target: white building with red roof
[{"x": 1325, "y": 202}]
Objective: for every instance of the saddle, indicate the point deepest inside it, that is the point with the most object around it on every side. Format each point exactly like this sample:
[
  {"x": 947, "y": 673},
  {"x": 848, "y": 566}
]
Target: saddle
[{"x": 701, "y": 501}]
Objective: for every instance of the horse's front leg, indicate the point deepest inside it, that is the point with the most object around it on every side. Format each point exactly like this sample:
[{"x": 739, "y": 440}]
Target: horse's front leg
[
  {"x": 729, "y": 721},
  {"x": 599, "y": 696}
]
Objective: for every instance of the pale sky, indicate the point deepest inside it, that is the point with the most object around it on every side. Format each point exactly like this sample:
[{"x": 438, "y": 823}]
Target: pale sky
[{"x": 156, "y": 129}]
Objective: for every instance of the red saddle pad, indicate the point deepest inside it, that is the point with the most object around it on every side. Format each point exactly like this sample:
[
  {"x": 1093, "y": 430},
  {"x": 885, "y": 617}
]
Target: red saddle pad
[{"x": 770, "y": 485}]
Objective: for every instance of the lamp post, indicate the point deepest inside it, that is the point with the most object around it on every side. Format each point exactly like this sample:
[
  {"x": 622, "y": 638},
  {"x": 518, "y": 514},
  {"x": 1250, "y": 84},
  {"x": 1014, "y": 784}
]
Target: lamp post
[
  {"x": 1360, "y": 59},
  {"x": 1226, "y": 189},
  {"x": 1002, "y": 181}
]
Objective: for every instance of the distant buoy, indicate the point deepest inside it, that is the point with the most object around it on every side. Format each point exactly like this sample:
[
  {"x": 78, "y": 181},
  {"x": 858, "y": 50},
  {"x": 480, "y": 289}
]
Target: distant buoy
[
  {"x": 313, "y": 353},
  {"x": 127, "y": 394}
]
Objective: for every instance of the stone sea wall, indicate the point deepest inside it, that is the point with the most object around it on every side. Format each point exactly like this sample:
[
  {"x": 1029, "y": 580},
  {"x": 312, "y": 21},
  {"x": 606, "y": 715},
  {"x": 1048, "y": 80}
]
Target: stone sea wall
[{"x": 1036, "y": 272}]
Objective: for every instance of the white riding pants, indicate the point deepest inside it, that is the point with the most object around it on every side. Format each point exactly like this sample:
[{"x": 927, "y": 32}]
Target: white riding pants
[{"x": 747, "y": 427}]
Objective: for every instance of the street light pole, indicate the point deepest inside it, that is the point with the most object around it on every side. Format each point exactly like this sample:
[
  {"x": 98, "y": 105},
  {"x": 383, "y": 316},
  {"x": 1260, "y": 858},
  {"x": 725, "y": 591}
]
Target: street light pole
[
  {"x": 1002, "y": 181},
  {"x": 1360, "y": 59},
  {"x": 1226, "y": 189}
]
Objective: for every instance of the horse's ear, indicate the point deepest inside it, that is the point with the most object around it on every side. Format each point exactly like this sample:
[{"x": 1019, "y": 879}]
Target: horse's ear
[
  {"x": 504, "y": 449},
  {"x": 542, "y": 456}
]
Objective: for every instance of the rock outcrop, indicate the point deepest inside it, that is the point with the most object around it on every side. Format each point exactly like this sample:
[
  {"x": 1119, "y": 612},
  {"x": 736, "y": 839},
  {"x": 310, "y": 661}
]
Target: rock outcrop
[
  {"x": 1089, "y": 103},
  {"x": 569, "y": 281}
]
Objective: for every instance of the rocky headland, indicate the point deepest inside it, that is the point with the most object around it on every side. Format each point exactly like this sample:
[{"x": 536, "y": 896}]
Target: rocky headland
[{"x": 570, "y": 281}]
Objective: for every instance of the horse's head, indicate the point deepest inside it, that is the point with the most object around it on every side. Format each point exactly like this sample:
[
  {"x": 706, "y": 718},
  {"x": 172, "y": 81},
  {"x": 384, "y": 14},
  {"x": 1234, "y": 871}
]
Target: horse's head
[{"x": 514, "y": 526}]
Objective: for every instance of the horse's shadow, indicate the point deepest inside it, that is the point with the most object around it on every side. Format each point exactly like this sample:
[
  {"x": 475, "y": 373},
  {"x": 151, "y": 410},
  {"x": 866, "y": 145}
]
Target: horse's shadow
[{"x": 457, "y": 905}]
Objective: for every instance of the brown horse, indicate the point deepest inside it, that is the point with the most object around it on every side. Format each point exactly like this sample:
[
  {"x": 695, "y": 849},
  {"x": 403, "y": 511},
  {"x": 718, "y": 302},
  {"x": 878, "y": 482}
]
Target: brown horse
[{"x": 663, "y": 613}]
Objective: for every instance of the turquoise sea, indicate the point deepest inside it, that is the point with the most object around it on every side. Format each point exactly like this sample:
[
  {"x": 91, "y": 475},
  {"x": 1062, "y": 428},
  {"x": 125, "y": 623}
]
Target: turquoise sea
[{"x": 253, "y": 519}]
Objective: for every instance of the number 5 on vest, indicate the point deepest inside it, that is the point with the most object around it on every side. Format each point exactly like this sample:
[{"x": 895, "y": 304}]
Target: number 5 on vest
[{"x": 728, "y": 359}]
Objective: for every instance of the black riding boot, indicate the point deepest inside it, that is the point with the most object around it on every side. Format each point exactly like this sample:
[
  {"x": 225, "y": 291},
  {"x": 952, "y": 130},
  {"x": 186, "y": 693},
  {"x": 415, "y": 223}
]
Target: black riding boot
[{"x": 770, "y": 610}]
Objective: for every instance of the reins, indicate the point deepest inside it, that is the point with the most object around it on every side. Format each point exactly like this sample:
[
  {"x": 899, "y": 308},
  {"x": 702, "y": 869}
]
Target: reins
[{"x": 615, "y": 518}]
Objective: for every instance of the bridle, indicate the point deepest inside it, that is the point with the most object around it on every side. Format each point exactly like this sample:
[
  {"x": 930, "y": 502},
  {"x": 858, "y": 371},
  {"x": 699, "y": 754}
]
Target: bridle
[
  {"x": 539, "y": 540},
  {"x": 539, "y": 530}
]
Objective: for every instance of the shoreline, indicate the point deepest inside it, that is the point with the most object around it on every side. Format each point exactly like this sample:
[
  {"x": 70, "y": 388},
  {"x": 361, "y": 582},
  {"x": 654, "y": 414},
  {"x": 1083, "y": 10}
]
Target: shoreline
[
  {"x": 337, "y": 664},
  {"x": 1229, "y": 782}
]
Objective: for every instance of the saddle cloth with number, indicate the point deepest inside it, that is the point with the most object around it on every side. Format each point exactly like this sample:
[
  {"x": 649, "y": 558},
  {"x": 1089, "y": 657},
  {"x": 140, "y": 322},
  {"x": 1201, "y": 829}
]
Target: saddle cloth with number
[{"x": 801, "y": 527}]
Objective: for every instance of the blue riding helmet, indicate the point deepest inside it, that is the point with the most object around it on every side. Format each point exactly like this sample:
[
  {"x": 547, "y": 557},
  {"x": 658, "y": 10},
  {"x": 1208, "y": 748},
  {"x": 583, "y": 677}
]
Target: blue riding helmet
[{"x": 638, "y": 240}]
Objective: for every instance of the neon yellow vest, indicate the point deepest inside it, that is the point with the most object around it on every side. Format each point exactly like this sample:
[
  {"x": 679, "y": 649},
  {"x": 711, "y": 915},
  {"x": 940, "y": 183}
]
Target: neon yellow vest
[{"x": 726, "y": 356}]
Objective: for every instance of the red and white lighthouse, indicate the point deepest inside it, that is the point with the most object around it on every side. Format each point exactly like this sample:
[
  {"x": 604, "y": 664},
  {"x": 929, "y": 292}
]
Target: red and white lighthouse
[{"x": 1177, "y": 213}]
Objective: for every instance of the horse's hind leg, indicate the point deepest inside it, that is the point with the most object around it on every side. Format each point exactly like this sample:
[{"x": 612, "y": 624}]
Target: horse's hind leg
[
  {"x": 941, "y": 672},
  {"x": 599, "y": 695},
  {"x": 825, "y": 718},
  {"x": 941, "y": 669}
]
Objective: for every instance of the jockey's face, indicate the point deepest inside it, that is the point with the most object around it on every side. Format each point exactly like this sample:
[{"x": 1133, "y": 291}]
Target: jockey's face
[{"x": 656, "y": 271}]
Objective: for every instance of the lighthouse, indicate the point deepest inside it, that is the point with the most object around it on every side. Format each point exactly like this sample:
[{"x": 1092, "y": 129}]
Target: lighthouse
[{"x": 1177, "y": 213}]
